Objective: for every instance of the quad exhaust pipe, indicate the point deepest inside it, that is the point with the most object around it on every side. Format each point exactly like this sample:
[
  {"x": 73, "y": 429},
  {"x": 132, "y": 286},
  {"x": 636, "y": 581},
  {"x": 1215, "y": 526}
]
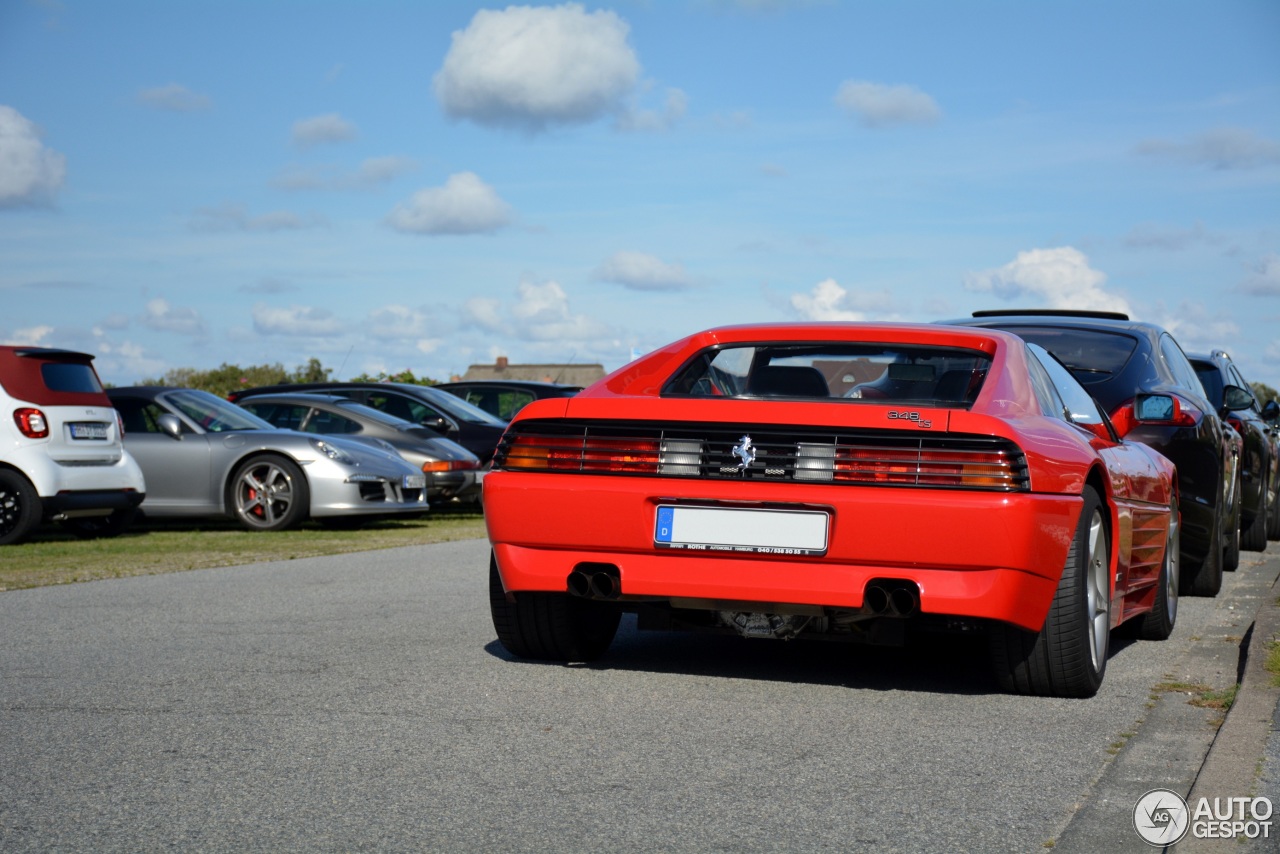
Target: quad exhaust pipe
[
  {"x": 891, "y": 598},
  {"x": 595, "y": 581}
]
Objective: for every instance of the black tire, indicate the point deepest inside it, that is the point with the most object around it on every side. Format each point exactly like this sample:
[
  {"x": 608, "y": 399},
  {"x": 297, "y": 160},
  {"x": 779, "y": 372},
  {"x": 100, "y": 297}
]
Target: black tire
[
  {"x": 268, "y": 493},
  {"x": 1254, "y": 537},
  {"x": 1273, "y": 515},
  {"x": 95, "y": 527},
  {"x": 20, "y": 508},
  {"x": 1231, "y": 550},
  {"x": 1068, "y": 656},
  {"x": 1158, "y": 623},
  {"x": 1205, "y": 579},
  {"x": 550, "y": 626}
]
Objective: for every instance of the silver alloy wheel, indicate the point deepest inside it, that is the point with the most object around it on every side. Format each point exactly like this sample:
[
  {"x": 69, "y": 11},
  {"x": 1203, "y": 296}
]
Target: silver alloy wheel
[
  {"x": 264, "y": 494},
  {"x": 1098, "y": 590}
]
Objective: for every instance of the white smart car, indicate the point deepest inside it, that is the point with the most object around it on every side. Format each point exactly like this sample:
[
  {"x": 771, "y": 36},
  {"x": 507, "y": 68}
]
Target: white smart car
[{"x": 62, "y": 455}]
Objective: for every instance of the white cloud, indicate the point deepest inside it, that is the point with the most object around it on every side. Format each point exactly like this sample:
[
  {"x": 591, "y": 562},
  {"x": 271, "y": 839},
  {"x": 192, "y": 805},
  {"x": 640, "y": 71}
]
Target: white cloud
[
  {"x": 464, "y": 205},
  {"x": 879, "y": 105},
  {"x": 1059, "y": 278},
  {"x": 372, "y": 172},
  {"x": 642, "y": 272},
  {"x": 1221, "y": 148},
  {"x": 1195, "y": 327},
  {"x": 32, "y": 336},
  {"x": 673, "y": 110},
  {"x": 163, "y": 317},
  {"x": 173, "y": 98},
  {"x": 531, "y": 67},
  {"x": 230, "y": 217},
  {"x": 1264, "y": 278},
  {"x": 330, "y": 127},
  {"x": 541, "y": 313},
  {"x": 296, "y": 320},
  {"x": 484, "y": 312},
  {"x": 30, "y": 173},
  {"x": 829, "y": 301}
]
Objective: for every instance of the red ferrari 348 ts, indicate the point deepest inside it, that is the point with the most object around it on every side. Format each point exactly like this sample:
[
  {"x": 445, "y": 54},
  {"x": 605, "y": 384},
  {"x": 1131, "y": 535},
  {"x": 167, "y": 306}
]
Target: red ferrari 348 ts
[{"x": 850, "y": 480}]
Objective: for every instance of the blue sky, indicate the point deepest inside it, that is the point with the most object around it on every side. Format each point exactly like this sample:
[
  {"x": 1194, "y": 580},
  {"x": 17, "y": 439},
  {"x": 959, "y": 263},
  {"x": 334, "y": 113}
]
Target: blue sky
[{"x": 426, "y": 185}]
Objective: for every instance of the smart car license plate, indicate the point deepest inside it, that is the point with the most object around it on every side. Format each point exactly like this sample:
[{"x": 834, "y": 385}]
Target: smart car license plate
[
  {"x": 87, "y": 430},
  {"x": 415, "y": 481},
  {"x": 725, "y": 529}
]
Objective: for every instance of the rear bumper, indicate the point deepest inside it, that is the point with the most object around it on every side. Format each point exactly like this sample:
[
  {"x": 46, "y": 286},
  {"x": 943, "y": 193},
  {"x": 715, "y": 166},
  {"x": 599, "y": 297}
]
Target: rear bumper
[{"x": 971, "y": 554}]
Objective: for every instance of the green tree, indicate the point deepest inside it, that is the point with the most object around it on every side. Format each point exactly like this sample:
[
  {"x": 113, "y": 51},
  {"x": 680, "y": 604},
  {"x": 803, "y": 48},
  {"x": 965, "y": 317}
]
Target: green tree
[
  {"x": 226, "y": 378},
  {"x": 1265, "y": 392},
  {"x": 405, "y": 376}
]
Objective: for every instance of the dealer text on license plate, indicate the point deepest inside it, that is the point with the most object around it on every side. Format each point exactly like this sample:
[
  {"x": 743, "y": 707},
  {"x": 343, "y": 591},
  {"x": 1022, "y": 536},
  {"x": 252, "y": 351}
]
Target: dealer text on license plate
[{"x": 732, "y": 529}]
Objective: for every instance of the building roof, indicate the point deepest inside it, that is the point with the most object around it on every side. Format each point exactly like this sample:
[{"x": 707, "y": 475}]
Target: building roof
[{"x": 576, "y": 374}]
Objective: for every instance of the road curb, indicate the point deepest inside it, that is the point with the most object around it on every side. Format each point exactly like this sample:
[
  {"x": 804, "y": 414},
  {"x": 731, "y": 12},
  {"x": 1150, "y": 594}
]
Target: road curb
[
  {"x": 1188, "y": 749},
  {"x": 1240, "y": 749}
]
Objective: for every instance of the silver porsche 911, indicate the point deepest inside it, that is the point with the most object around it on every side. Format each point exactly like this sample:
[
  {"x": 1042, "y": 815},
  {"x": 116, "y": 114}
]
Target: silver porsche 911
[{"x": 203, "y": 456}]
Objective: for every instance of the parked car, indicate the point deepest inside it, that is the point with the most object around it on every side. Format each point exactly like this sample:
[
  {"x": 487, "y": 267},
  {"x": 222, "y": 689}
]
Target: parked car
[
  {"x": 738, "y": 480},
  {"x": 1271, "y": 414},
  {"x": 61, "y": 454},
  {"x": 454, "y": 418},
  {"x": 453, "y": 473},
  {"x": 504, "y": 398},
  {"x": 203, "y": 457},
  {"x": 1118, "y": 360},
  {"x": 1227, "y": 390}
]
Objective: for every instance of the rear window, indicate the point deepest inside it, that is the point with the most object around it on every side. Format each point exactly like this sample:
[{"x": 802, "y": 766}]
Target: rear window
[
  {"x": 872, "y": 372},
  {"x": 1211, "y": 379},
  {"x": 69, "y": 377},
  {"x": 47, "y": 377},
  {"x": 1092, "y": 355}
]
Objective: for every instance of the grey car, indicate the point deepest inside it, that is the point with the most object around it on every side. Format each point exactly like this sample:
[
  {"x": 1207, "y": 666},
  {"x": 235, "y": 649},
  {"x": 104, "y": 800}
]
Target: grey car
[
  {"x": 453, "y": 473},
  {"x": 203, "y": 456}
]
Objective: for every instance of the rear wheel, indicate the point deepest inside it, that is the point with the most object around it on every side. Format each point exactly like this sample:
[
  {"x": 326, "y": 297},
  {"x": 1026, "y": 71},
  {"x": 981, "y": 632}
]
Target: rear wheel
[
  {"x": 1254, "y": 537},
  {"x": 1231, "y": 556},
  {"x": 550, "y": 626},
  {"x": 269, "y": 494},
  {"x": 1273, "y": 514},
  {"x": 92, "y": 527},
  {"x": 19, "y": 507},
  {"x": 1158, "y": 623},
  {"x": 1068, "y": 656},
  {"x": 1205, "y": 578}
]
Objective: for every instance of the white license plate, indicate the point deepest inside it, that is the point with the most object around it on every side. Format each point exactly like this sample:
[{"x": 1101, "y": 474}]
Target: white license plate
[
  {"x": 87, "y": 430},
  {"x": 778, "y": 532},
  {"x": 415, "y": 481}
]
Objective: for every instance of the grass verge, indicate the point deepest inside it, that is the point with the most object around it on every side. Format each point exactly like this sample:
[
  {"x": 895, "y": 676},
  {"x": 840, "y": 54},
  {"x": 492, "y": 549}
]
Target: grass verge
[{"x": 151, "y": 548}]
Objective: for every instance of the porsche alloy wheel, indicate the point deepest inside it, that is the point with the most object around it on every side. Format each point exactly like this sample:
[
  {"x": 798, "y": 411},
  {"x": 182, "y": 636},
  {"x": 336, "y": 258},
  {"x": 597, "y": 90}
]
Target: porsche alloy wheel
[
  {"x": 1158, "y": 623},
  {"x": 19, "y": 507},
  {"x": 269, "y": 494},
  {"x": 1068, "y": 656},
  {"x": 550, "y": 626}
]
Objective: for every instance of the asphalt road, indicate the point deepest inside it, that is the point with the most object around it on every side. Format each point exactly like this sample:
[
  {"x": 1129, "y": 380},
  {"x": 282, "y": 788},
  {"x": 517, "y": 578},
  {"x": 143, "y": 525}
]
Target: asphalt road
[{"x": 360, "y": 702}]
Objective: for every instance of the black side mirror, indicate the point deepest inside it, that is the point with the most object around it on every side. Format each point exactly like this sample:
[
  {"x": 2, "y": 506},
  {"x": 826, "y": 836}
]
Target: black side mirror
[
  {"x": 1271, "y": 411},
  {"x": 1235, "y": 398}
]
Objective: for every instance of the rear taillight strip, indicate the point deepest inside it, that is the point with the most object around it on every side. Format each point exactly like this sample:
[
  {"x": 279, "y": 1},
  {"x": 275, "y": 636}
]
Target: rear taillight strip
[{"x": 951, "y": 461}]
